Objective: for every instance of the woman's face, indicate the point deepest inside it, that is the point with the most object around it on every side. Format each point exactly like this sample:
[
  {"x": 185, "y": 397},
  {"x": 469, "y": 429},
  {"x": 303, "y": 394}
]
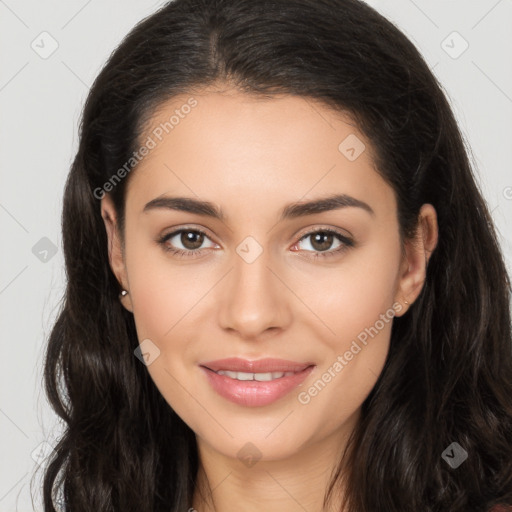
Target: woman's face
[{"x": 266, "y": 280}]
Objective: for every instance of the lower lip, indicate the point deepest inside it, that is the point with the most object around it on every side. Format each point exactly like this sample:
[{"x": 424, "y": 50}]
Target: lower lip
[{"x": 253, "y": 393}]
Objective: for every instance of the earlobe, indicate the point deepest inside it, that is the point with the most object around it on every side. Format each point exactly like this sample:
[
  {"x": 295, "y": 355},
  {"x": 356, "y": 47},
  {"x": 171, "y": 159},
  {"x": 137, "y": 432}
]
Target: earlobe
[
  {"x": 115, "y": 252},
  {"x": 417, "y": 254}
]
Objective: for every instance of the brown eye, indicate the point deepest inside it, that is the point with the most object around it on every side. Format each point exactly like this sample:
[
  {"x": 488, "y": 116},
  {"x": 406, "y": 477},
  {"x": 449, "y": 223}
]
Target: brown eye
[
  {"x": 184, "y": 242},
  {"x": 191, "y": 240},
  {"x": 322, "y": 240}
]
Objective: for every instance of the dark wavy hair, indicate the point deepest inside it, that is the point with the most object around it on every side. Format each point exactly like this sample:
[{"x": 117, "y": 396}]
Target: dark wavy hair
[{"x": 448, "y": 373}]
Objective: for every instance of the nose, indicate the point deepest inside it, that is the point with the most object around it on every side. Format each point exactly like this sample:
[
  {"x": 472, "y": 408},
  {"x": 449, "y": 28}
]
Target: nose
[{"x": 254, "y": 299}]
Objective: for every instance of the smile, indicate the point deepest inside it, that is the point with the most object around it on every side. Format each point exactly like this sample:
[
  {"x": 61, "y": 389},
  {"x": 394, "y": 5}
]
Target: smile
[
  {"x": 261, "y": 377},
  {"x": 255, "y": 383}
]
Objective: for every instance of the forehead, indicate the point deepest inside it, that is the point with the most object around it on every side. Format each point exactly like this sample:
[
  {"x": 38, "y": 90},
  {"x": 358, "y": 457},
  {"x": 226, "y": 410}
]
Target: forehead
[{"x": 237, "y": 146}]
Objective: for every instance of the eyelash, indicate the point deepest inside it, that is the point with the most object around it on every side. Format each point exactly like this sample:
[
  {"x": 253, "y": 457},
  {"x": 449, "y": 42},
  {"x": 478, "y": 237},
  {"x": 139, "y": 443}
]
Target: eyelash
[{"x": 346, "y": 243}]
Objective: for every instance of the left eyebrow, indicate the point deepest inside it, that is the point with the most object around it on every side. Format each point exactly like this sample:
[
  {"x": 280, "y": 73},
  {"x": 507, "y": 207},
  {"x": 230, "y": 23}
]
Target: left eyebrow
[{"x": 290, "y": 211}]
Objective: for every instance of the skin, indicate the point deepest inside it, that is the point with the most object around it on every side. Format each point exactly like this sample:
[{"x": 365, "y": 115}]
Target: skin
[{"x": 251, "y": 157}]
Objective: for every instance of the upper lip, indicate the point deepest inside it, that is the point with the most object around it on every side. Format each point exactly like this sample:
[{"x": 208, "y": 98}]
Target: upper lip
[{"x": 237, "y": 364}]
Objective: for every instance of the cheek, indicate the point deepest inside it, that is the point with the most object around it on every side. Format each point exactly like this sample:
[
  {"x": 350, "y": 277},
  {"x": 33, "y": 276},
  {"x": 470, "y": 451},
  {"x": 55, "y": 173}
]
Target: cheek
[
  {"x": 166, "y": 297},
  {"x": 163, "y": 291},
  {"x": 355, "y": 302},
  {"x": 351, "y": 295}
]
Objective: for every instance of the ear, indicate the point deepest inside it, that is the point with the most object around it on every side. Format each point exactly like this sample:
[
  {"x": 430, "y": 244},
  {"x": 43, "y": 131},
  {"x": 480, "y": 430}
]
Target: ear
[
  {"x": 115, "y": 250},
  {"x": 413, "y": 270}
]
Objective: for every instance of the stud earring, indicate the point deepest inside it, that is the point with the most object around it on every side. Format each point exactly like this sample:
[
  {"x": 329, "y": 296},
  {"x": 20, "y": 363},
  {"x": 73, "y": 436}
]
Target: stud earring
[{"x": 123, "y": 293}]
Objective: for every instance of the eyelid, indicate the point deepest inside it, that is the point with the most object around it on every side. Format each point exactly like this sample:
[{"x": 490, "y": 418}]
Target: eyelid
[
  {"x": 346, "y": 240},
  {"x": 162, "y": 239},
  {"x": 186, "y": 227},
  {"x": 324, "y": 227},
  {"x": 307, "y": 231}
]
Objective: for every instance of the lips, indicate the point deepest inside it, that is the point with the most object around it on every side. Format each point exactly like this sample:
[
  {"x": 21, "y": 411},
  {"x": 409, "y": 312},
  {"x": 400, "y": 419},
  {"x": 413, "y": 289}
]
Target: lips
[
  {"x": 255, "y": 383},
  {"x": 268, "y": 365}
]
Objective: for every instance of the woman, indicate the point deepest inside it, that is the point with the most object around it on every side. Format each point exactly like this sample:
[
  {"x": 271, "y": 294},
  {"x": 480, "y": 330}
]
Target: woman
[{"x": 284, "y": 288}]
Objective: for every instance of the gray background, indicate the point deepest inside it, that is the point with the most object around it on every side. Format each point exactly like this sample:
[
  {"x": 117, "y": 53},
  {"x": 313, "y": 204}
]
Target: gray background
[{"x": 41, "y": 97}]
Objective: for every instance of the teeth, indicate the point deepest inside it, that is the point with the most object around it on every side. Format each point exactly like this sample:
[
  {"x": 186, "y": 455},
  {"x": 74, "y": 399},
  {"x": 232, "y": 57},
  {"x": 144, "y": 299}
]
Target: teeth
[{"x": 254, "y": 376}]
